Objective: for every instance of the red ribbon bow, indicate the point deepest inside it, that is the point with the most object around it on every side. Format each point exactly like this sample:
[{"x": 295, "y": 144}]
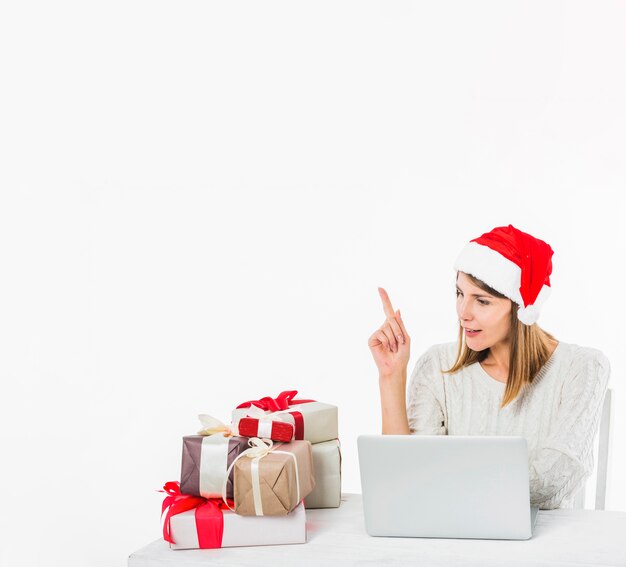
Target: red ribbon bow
[
  {"x": 279, "y": 403},
  {"x": 209, "y": 517}
]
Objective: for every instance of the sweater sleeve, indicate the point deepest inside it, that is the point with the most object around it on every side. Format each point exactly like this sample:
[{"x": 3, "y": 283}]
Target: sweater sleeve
[
  {"x": 566, "y": 458},
  {"x": 426, "y": 398}
]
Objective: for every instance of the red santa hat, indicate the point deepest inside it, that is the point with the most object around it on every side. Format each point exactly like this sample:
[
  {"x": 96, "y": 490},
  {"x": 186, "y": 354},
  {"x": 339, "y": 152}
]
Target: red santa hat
[{"x": 514, "y": 263}]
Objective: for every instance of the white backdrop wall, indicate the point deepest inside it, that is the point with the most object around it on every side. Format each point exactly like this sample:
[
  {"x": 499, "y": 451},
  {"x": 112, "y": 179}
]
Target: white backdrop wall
[{"x": 199, "y": 200}]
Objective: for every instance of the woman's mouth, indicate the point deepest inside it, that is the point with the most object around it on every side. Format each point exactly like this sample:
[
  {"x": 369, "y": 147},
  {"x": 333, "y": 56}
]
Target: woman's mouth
[{"x": 472, "y": 332}]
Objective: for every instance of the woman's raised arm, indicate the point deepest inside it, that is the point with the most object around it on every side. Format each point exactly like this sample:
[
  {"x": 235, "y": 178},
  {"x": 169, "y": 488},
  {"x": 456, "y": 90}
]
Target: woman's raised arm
[{"x": 390, "y": 346}]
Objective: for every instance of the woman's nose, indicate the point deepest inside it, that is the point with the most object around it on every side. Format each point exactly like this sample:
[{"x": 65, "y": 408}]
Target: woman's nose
[{"x": 465, "y": 312}]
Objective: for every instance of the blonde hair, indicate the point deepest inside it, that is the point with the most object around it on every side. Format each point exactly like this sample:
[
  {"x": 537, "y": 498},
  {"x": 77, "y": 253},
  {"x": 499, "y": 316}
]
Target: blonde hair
[{"x": 530, "y": 350}]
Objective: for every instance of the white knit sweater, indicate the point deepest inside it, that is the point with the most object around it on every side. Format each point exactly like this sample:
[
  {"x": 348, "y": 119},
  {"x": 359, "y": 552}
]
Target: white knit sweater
[{"x": 558, "y": 414}]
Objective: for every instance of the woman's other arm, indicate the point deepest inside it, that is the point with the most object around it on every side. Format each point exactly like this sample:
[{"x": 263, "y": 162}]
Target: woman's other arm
[{"x": 566, "y": 458}]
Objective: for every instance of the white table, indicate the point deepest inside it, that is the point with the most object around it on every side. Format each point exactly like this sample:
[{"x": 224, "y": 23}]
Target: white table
[{"x": 337, "y": 537}]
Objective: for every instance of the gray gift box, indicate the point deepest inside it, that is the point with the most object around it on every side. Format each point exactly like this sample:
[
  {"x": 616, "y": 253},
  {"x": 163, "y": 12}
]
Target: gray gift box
[{"x": 327, "y": 465}]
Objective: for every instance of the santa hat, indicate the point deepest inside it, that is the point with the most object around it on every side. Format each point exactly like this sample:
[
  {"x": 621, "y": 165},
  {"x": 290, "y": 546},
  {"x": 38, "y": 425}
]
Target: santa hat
[{"x": 514, "y": 263}]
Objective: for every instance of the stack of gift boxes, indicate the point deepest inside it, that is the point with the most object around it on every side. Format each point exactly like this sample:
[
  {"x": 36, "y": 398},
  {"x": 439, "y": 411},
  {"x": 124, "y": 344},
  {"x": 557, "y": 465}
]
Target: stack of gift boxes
[{"x": 249, "y": 483}]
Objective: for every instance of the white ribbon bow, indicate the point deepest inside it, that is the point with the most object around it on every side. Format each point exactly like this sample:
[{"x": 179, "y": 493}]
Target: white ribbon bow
[{"x": 211, "y": 426}]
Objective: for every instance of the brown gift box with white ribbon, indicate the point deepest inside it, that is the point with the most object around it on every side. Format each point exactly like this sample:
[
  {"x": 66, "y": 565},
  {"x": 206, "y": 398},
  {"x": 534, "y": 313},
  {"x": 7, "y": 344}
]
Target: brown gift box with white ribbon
[
  {"x": 205, "y": 461},
  {"x": 275, "y": 482}
]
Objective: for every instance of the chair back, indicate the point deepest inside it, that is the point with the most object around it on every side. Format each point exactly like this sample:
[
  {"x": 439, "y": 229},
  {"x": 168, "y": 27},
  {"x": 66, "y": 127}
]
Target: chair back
[
  {"x": 604, "y": 454},
  {"x": 604, "y": 450}
]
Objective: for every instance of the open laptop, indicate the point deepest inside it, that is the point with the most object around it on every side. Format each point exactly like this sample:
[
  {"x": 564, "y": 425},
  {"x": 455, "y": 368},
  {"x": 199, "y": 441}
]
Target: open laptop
[{"x": 446, "y": 486}]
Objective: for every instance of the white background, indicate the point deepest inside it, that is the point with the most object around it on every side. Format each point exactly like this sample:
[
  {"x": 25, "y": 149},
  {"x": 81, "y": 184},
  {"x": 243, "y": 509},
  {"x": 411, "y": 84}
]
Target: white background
[{"x": 199, "y": 200}]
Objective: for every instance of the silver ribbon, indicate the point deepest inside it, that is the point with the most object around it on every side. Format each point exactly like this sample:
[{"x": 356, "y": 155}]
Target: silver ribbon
[{"x": 213, "y": 463}]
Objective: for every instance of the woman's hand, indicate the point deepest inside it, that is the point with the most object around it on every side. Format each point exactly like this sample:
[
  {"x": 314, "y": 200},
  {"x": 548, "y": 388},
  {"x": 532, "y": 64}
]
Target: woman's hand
[{"x": 390, "y": 344}]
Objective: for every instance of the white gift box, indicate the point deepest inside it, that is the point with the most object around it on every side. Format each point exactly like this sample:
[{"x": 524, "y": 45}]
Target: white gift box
[
  {"x": 318, "y": 420},
  {"x": 327, "y": 467},
  {"x": 243, "y": 530}
]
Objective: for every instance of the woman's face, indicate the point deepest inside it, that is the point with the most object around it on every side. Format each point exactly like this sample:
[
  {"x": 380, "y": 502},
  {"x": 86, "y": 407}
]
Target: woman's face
[{"x": 480, "y": 311}]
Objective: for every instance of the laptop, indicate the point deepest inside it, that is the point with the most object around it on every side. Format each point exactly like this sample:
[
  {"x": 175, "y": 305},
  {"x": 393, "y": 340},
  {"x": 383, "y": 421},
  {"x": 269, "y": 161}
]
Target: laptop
[{"x": 446, "y": 486}]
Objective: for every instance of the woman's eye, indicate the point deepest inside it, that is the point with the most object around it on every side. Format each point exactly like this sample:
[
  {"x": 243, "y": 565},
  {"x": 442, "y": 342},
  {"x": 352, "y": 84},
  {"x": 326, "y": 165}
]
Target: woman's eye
[{"x": 480, "y": 301}]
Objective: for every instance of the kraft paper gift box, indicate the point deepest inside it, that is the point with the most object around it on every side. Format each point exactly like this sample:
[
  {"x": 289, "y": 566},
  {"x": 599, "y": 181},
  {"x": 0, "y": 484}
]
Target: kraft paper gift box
[
  {"x": 275, "y": 481},
  {"x": 327, "y": 466},
  {"x": 205, "y": 460},
  {"x": 210, "y": 524},
  {"x": 313, "y": 421}
]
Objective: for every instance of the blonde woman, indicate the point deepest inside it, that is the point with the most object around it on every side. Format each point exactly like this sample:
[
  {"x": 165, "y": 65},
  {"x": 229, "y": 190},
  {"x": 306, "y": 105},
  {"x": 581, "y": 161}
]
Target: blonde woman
[{"x": 504, "y": 375}]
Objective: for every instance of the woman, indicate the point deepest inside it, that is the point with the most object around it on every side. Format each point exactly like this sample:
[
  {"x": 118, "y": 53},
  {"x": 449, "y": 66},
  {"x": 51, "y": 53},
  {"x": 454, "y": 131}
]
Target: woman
[{"x": 505, "y": 375}]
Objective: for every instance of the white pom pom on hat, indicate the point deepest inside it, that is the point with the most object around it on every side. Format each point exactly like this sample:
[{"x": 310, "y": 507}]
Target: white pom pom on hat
[{"x": 513, "y": 263}]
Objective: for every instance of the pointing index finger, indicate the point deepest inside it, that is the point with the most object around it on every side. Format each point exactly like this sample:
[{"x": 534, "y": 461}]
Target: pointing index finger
[{"x": 386, "y": 302}]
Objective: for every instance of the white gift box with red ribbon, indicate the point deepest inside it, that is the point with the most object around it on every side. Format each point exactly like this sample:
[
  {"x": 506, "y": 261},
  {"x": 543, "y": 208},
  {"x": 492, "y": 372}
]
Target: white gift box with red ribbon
[
  {"x": 194, "y": 522},
  {"x": 242, "y": 530},
  {"x": 313, "y": 421}
]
